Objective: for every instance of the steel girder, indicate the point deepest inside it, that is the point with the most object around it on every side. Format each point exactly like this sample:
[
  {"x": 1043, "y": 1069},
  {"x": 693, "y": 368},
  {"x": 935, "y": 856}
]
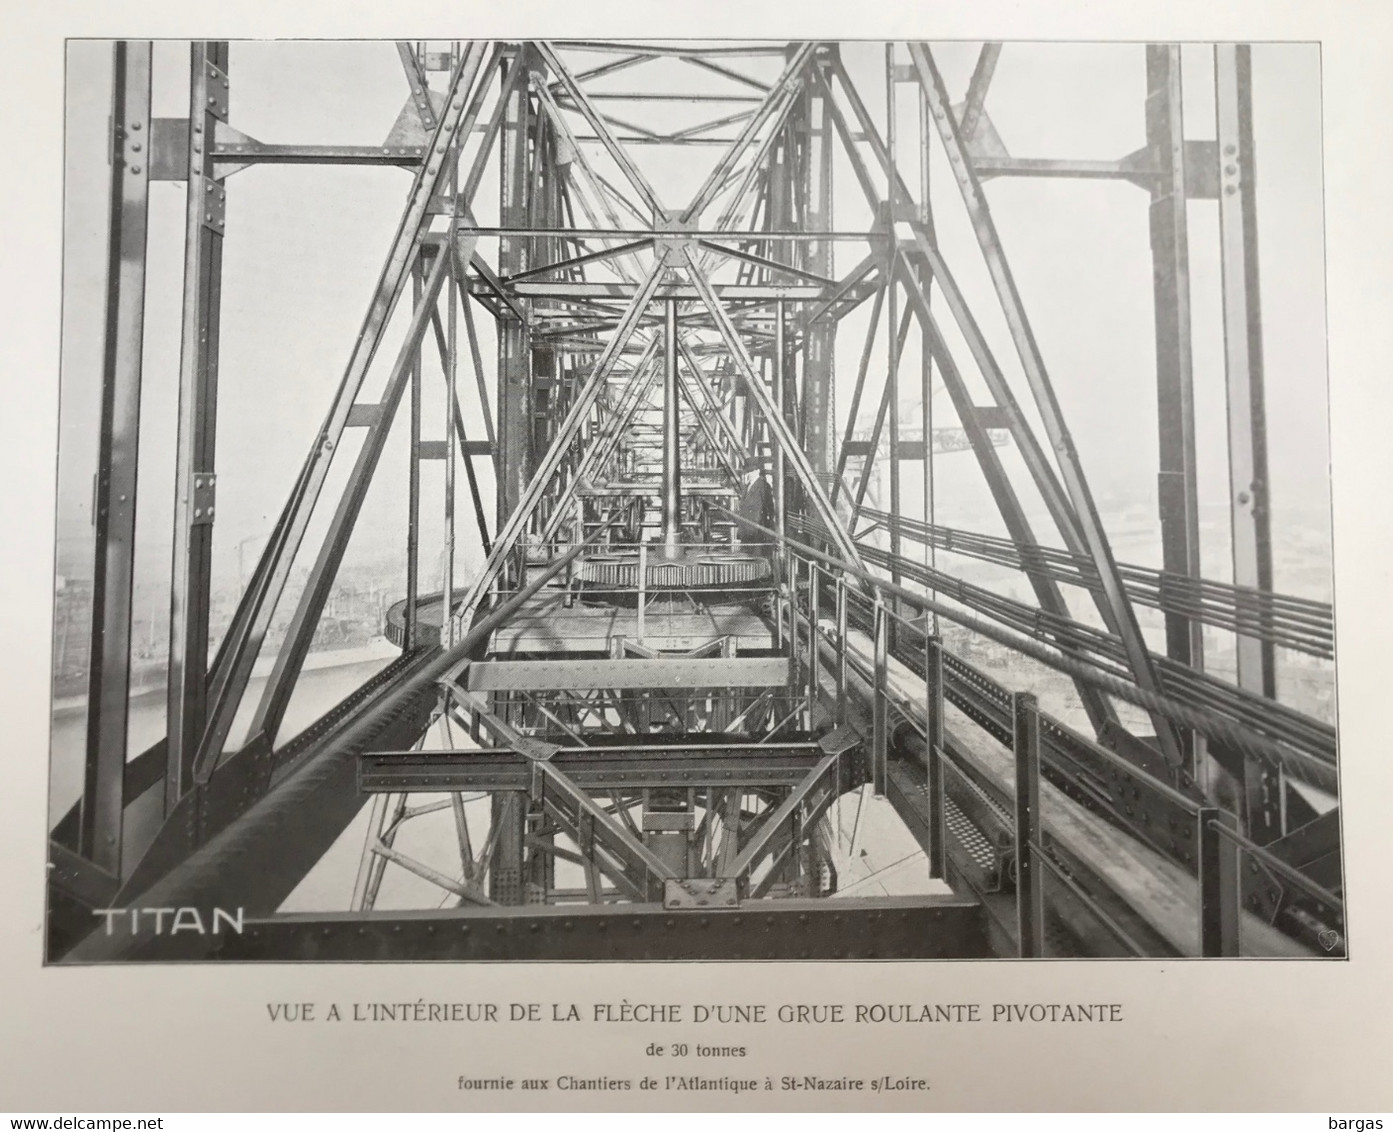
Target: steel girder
[
  {"x": 934, "y": 927},
  {"x": 734, "y": 761},
  {"x": 103, "y": 804}
]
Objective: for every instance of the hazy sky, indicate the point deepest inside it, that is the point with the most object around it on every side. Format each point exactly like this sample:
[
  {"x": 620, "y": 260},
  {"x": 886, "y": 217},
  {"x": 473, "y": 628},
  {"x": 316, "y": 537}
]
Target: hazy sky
[{"x": 305, "y": 245}]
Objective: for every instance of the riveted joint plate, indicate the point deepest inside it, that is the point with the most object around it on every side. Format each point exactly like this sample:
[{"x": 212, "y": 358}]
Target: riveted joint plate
[
  {"x": 441, "y": 204},
  {"x": 673, "y": 249},
  {"x": 213, "y": 201},
  {"x": 839, "y": 740},
  {"x": 702, "y": 892},
  {"x": 132, "y": 148},
  {"x": 203, "y": 497},
  {"x": 215, "y": 83},
  {"x": 535, "y": 749},
  {"x": 79, "y": 878}
]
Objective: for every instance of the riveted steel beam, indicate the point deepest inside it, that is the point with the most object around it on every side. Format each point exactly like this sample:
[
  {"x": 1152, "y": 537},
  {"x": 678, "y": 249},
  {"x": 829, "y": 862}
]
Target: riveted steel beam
[
  {"x": 118, "y": 446},
  {"x": 924, "y": 927}
]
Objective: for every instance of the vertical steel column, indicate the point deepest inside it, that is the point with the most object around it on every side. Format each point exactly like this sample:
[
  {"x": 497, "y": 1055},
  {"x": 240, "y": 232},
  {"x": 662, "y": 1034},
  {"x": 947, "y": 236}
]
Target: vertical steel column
[
  {"x": 926, "y": 374},
  {"x": 841, "y": 649},
  {"x": 539, "y": 866},
  {"x": 545, "y": 368},
  {"x": 880, "y": 721},
  {"x": 514, "y": 458},
  {"x": 1030, "y": 908},
  {"x": 194, "y": 505},
  {"x": 933, "y": 745},
  {"x": 779, "y": 191},
  {"x": 509, "y": 815},
  {"x": 1177, "y": 491},
  {"x": 819, "y": 337},
  {"x": 892, "y": 376},
  {"x": 642, "y": 588},
  {"x": 1249, "y": 503},
  {"x": 453, "y": 437},
  {"x": 892, "y": 396},
  {"x": 413, "y": 482},
  {"x": 779, "y": 601},
  {"x": 103, "y": 793},
  {"x": 672, "y": 437},
  {"x": 1219, "y": 895},
  {"x": 814, "y": 638},
  {"x": 780, "y": 405}
]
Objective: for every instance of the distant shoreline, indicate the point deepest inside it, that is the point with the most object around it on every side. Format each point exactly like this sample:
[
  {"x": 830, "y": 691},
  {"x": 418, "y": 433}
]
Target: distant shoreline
[{"x": 379, "y": 648}]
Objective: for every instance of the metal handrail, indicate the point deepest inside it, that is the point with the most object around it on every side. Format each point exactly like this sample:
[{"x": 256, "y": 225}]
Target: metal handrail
[{"x": 1219, "y": 895}]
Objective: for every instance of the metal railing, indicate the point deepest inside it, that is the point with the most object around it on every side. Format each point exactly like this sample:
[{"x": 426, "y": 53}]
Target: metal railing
[{"x": 1220, "y": 847}]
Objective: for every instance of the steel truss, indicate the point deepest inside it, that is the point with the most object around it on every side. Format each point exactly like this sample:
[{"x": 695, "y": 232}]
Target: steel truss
[{"x": 671, "y": 783}]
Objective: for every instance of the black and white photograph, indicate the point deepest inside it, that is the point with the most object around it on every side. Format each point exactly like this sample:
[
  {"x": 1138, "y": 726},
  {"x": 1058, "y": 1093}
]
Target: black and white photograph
[
  {"x": 693, "y": 500},
  {"x": 613, "y": 561}
]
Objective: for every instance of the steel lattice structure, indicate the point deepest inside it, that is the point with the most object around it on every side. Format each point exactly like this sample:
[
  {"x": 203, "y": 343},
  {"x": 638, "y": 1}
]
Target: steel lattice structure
[{"x": 649, "y": 704}]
